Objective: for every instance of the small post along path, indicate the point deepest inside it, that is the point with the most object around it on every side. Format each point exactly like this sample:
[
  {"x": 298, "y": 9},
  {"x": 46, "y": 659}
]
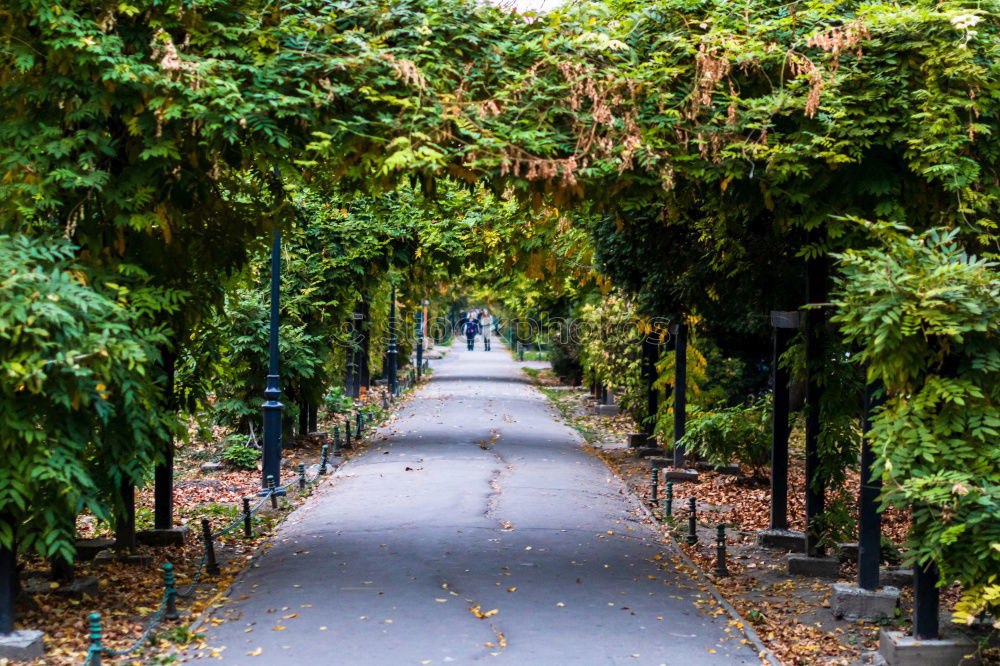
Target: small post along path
[{"x": 474, "y": 529}]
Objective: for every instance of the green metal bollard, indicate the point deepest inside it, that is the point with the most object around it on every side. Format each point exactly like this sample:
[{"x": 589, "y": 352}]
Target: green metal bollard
[
  {"x": 272, "y": 491},
  {"x": 692, "y": 537},
  {"x": 96, "y": 649},
  {"x": 654, "y": 485},
  {"x": 336, "y": 439},
  {"x": 360, "y": 427},
  {"x": 247, "y": 519},
  {"x": 170, "y": 592},
  {"x": 302, "y": 476},
  {"x": 347, "y": 432},
  {"x": 325, "y": 460},
  {"x": 668, "y": 501},
  {"x": 721, "y": 570},
  {"x": 211, "y": 564}
]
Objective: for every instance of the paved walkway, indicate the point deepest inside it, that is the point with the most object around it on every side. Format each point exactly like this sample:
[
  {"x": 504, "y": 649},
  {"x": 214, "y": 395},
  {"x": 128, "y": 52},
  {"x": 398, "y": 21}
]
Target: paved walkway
[{"x": 476, "y": 529}]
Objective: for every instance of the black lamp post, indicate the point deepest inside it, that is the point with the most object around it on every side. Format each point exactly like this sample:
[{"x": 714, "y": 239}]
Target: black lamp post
[
  {"x": 420, "y": 341},
  {"x": 392, "y": 354},
  {"x": 272, "y": 392}
]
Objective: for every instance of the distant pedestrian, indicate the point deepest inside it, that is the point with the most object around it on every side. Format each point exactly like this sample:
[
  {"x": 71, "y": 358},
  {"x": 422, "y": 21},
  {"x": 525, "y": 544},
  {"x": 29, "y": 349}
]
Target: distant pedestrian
[
  {"x": 471, "y": 328},
  {"x": 486, "y": 326}
]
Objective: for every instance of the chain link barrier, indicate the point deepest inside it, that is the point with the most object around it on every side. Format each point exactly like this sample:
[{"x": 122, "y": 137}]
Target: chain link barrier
[{"x": 97, "y": 650}]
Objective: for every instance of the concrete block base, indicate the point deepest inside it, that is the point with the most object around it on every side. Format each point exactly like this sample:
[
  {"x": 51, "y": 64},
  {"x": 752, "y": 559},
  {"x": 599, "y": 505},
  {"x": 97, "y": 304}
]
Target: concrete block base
[
  {"x": 854, "y": 603},
  {"x": 87, "y": 549},
  {"x": 649, "y": 452},
  {"x": 606, "y": 410},
  {"x": 638, "y": 440},
  {"x": 175, "y": 536},
  {"x": 680, "y": 475},
  {"x": 782, "y": 540},
  {"x": 131, "y": 559},
  {"x": 896, "y": 577},
  {"x": 847, "y": 552},
  {"x": 732, "y": 468},
  {"x": 23, "y": 645},
  {"x": 900, "y": 649},
  {"x": 817, "y": 567}
]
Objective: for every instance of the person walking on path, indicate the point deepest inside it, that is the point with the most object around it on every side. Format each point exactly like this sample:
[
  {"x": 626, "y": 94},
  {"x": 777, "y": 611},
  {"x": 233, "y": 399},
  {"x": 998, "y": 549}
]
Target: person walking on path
[
  {"x": 486, "y": 326},
  {"x": 471, "y": 329}
]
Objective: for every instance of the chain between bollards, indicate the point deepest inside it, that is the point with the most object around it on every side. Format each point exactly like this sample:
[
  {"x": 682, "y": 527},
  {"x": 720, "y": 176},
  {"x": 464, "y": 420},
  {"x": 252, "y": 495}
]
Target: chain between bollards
[
  {"x": 302, "y": 476},
  {"x": 654, "y": 485},
  {"x": 692, "y": 537},
  {"x": 95, "y": 649},
  {"x": 721, "y": 569},
  {"x": 247, "y": 519},
  {"x": 211, "y": 564},
  {"x": 170, "y": 592},
  {"x": 668, "y": 501}
]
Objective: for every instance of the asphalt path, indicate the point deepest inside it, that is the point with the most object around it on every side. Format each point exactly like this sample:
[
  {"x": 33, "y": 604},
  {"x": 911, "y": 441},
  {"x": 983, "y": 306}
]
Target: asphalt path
[{"x": 474, "y": 528}]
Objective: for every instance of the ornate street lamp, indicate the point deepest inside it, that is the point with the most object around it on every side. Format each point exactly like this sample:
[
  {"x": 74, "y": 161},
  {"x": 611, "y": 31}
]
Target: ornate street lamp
[
  {"x": 272, "y": 392},
  {"x": 392, "y": 355}
]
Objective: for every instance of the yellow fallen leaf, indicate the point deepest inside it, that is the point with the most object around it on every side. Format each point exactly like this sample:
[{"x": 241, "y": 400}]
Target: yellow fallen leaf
[
  {"x": 255, "y": 653},
  {"x": 491, "y": 613},
  {"x": 502, "y": 640},
  {"x": 322, "y": 628},
  {"x": 290, "y": 616},
  {"x": 512, "y": 589},
  {"x": 279, "y": 627}
]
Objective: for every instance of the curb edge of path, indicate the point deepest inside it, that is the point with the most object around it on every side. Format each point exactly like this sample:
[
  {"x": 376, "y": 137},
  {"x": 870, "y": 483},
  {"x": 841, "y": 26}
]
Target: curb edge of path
[{"x": 748, "y": 630}]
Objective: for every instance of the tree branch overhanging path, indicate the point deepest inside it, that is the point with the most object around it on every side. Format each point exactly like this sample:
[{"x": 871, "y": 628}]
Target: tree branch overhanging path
[{"x": 477, "y": 528}]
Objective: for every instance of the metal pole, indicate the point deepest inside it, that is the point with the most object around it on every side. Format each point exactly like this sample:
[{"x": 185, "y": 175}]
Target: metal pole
[
  {"x": 680, "y": 392},
  {"x": 125, "y": 523},
  {"x": 8, "y": 581},
  {"x": 211, "y": 564},
  {"x": 925, "y": 601},
  {"x": 163, "y": 475},
  {"x": 272, "y": 393},
  {"x": 392, "y": 355},
  {"x": 815, "y": 494},
  {"x": 721, "y": 570},
  {"x": 869, "y": 518},
  {"x": 420, "y": 343},
  {"x": 170, "y": 592},
  {"x": 96, "y": 649},
  {"x": 650, "y": 354},
  {"x": 247, "y": 519},
  {"x": 784, "y": 323},
  {"x": 692, "y": 536}
]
